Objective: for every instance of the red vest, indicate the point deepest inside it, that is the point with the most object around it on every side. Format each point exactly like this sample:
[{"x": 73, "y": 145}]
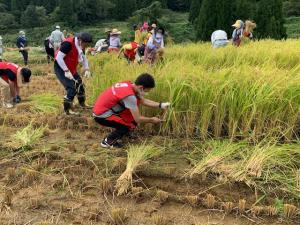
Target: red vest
[
  {"x": 130, "y": 54},
  {"x": 71, "y": 59},
  {"x": 111, "y": 97},
  {"x": 9, "y": 66}
]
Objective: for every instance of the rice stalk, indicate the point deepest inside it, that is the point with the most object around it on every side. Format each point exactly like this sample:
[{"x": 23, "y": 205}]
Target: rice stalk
[
  {"x": 136, "y": 156},
  {"x": 28, "y": 136}
]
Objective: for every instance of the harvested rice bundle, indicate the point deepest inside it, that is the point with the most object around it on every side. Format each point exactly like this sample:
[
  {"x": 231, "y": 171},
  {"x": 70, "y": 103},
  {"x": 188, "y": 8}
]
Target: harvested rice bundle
[
  {"x": 28, "y": 136},
  {"x": 136, "y": 156},
  {"x": 221, "y": 150},
  {"x": 45, "y": 103}
]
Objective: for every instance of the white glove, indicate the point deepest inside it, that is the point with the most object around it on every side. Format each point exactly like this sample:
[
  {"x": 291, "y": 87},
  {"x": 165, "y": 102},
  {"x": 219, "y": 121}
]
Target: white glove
[
  {"x": 21, "y": 48},
  {"x": 69, "y": 75},
  {"x": 87, "y": 74},
  {"x": 165, "y": 105}
]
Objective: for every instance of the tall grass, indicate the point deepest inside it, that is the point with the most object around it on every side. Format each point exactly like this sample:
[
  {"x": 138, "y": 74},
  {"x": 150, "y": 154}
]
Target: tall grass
[{"x": 241, "y": 93}]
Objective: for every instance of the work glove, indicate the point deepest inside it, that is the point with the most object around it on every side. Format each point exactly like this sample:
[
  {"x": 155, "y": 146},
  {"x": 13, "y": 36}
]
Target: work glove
[
  {"x": 165, "y": 105},
  {"x": 69, "y": 75},
  {"x": 21, "y": 48},
  {"x": 87, "y": 74},
  {"x": 17, "y": 99}
]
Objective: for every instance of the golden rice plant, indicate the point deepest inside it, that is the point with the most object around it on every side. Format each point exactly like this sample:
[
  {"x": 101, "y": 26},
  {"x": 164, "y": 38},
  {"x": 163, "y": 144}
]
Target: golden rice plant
[
  {"x": 219, "y": 93},
  {"x": 215, "y": 152},
  {"x": 136, "y": 156}
]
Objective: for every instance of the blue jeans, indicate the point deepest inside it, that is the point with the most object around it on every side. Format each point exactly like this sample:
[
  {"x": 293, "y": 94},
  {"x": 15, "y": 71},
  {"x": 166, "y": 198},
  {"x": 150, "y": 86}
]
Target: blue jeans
[{"x": 72, "y": 88}]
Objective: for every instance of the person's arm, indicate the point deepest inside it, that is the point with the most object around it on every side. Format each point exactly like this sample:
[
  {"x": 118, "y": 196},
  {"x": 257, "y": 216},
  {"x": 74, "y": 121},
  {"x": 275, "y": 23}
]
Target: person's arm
[
  {"x": 153, "y": 104},
  {"x": 61, "y": 62},
  {"x": 138, "y": 118},
  {"x": 12, "y": 87},
  {"x": 150, "y": 103},
  {"x": 162, "y": 45},
  {"x": 64, "y": 50},
  {"x": 131, "y": 103}
]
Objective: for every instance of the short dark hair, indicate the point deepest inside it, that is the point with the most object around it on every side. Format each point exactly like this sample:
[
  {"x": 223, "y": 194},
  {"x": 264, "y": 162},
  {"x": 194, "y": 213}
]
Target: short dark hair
[
  {"x": 26, "y": 73},
  {"x": 85, "y": 37},
  {"x": 146, "y": 80}
]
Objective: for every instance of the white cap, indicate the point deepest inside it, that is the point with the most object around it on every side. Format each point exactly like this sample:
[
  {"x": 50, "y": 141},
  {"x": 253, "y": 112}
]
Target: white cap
[
  {"x": 22, "y": 32},
  {"x": 57, "y": 27}
]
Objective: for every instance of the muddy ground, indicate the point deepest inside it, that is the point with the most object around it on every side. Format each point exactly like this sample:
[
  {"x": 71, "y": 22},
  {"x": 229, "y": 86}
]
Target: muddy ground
[{"x": 68, "y": 179}]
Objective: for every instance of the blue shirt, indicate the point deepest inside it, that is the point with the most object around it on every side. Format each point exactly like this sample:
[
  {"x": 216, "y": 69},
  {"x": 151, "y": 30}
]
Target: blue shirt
[{"x": 21, "y": 42}]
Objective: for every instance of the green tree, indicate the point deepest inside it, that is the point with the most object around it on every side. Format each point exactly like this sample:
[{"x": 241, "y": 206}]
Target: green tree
[
  {"x": 194, "y": 10},
  {"x": 124, "y": 8},
  {"x": 291, "y": 8},
  {"x": 214, "y": 15},
  {"x": 7, "y": 21},
  {"x": 270, "y": 21},
  {"x": 34, "y": 16},
  {"x": 66, "y": 12}
]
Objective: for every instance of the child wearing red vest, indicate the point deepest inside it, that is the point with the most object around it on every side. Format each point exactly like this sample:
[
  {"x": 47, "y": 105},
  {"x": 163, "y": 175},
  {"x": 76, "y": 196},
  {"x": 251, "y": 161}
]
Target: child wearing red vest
[
  {"x": 11, "y": 78},
  {"x": 71, "y": 52},
  {"x": 118, "y": 107}
]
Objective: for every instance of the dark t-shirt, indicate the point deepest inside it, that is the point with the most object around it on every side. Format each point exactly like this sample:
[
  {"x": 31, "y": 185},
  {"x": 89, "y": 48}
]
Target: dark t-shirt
[{"x": 11, "y": 76}]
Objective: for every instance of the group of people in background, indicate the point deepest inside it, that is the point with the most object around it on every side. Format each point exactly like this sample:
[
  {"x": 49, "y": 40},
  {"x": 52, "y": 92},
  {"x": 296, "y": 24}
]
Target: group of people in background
[
  {"x": 242, "y": 31},
  {"x": 146, "y": 46}
]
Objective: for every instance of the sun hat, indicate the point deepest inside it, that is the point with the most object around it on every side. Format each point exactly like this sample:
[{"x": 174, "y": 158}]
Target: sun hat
[
  {"x": 107, "y": 30},
  {"x": 238, "y": 24},
  {"x": 115, "y": 31}
]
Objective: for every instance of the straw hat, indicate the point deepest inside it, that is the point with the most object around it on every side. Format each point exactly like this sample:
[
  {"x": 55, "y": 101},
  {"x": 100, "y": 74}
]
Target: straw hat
[
  {"x": 115, "y": 31},
  {"x": 153, "y": 25},
  {"x": 238, "y": 24},
  {"x": 107, "y": 30}
]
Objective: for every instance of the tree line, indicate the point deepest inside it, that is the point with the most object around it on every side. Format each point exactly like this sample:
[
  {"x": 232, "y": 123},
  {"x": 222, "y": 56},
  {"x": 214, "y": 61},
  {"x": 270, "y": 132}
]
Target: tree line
[{"x": 205, "y": 15}]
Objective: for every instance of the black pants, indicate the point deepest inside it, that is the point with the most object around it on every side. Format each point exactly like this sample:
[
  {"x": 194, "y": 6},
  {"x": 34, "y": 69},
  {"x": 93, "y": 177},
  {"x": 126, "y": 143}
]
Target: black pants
[
  {"x": 25, "y": 56},
  {"x": 72, "y": 88},
  {"x": 117, "y": 134}
]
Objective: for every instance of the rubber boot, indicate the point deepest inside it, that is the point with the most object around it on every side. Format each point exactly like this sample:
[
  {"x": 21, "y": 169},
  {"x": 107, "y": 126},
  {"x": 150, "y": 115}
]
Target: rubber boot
[
  {"x": 68, "y": 108},
  {"x": 81, "y": 101}
]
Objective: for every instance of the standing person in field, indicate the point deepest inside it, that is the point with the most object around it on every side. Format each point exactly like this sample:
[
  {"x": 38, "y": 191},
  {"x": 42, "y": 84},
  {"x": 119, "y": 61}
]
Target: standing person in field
[
  {"x": 155, "y": 47},
  {"x": 237, "y": 33},
  {"x": 71, "y": 52},
  {"x": 114, "y": 41},
  {"x": 1, "y": 49},
  {"x": 49, "y": 49},
  {"x": 249, "y": 28},
  {"x": 56, "y": 38},
  {"x": 219, "y": 39},
  {"x": 22, "y": 46},
  {"x": 12, "y": 77},
  {"x": 118, "y": 108}
]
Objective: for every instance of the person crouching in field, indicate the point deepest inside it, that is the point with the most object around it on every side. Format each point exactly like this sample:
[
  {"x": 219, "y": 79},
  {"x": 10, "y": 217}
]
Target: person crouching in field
[
  {"x": 129, "y": 51},
  {"x": 118, "y": 108},
  {"x": 155, "y": 47},
  {"x": 71, "y": 52},
  {"x": 12, "y": 77},
  {"x": 219, "y": 39}
]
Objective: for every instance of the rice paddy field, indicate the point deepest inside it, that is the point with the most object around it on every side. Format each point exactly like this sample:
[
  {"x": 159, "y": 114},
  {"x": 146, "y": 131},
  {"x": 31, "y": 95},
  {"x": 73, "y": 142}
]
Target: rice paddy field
[{"x": 228, "y": 151}]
